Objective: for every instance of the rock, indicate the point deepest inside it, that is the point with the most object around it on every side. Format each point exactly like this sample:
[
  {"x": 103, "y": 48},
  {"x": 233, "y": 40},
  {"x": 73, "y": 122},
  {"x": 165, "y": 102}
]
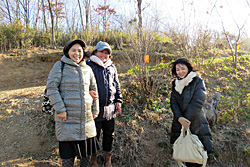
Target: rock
[{"x": 210, "y": 108}]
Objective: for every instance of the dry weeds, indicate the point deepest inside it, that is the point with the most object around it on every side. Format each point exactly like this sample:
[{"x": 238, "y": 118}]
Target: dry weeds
[{"x": 141, "y": 136}]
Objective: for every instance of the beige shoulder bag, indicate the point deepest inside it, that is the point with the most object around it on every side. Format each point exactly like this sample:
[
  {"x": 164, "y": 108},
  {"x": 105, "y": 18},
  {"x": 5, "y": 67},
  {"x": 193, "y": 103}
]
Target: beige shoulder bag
[{"x": 188, "y": 148}]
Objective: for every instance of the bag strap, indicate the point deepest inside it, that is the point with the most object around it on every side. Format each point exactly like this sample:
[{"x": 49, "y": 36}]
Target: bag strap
[
  {"x": 62, "y": 67},
  {"x": 185, "y": 132}
]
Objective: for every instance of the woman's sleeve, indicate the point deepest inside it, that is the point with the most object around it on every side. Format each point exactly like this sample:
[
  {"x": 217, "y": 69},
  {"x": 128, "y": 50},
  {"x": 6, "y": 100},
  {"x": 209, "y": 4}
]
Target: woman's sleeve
[
  {"x": 93, "y": 86},
  {"x": 197, "y": 101},
  {"x": 174, "y": 104},
  {"x": 118, "y": 94},
  {"x": 53, "y": 83}
]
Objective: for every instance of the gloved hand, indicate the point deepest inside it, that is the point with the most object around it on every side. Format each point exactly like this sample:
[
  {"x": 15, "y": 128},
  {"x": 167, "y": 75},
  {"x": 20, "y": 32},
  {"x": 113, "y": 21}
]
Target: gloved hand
[
  {"x": 184, "y": 122},
  {"x": 109, "y": 112}
]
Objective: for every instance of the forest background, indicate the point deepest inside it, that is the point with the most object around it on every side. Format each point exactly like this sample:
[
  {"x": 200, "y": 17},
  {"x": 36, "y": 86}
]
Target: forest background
[{"x": 212, "y": 34}]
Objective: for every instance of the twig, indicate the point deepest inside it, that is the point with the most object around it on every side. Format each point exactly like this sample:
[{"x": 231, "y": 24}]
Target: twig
[{"x": 49, "y": 162}]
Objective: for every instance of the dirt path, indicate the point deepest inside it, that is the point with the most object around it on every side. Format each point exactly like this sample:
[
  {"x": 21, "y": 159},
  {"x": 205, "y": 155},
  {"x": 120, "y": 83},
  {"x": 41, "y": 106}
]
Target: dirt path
[{"x": 23, "y": 128}]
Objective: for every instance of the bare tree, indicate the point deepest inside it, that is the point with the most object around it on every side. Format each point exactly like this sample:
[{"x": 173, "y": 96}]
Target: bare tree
[
  {"x": 25, "y": 14},
  {"x": 106, "y": 13},
  {"x": 236, "y": 38},
  {"x": 102, "y": 11},
  {"x": 139, "y": 30},
  {"x": 87, "y": 12},
  {"x": 5, "y": 10},
  {"x": 80, "y": 8},
  {"x": 232, "y": 48},
  {"x": 37, "y": 14},
  {"x": 139, "y": 2},
  {"x": 53, "y": 42},
  {"x": 58, "y": 9},
  {"x": 8, "y": 9},
  {"x": 16, "y": 9},
  {"x": 44, "y": 15},
  {"x": 70, "y": 23}
]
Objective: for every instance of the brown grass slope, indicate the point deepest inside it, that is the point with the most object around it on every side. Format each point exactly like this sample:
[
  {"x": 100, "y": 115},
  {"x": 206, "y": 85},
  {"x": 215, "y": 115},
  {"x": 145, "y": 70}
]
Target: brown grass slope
[{"x": 141, "y": 137}]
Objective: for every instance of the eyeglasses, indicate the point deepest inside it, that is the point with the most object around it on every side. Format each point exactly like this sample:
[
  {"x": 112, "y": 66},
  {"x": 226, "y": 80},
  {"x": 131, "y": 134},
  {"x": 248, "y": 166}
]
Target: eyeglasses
[{"x": 104, "y": 52}]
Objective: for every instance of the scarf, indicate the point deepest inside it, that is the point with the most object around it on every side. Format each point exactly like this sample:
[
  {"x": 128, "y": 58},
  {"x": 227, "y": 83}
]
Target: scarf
[
  {"x": 98, "y": 61},
  {"x": 180, "y": 84}
]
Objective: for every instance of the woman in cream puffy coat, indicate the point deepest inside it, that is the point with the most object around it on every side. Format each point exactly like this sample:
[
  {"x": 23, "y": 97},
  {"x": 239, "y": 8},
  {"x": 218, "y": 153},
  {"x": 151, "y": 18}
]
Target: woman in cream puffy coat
[{"x": 68, "y": 90}]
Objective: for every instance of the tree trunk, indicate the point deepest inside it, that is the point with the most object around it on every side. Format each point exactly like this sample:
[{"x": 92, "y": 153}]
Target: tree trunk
[
  {"x": 37, "y": 15},
  {"x": 8, "y": 9},
  {"x": 235, "y": 55},
  {"x": 26, "y": 9},
  {"x": 56, "y": 23},
  {"x": 140, "y": 20},
  {"x": 80, "y": 8},
  {"x": 230, "y": 45},
  {"x": 87, "y": 10},
  {"x": 52, "y": 26},
  {"x": 44, "y": 16}
]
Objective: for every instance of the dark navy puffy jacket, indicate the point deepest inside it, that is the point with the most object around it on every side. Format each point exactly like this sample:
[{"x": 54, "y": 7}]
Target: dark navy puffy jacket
[{"x": 108, "y": 86}]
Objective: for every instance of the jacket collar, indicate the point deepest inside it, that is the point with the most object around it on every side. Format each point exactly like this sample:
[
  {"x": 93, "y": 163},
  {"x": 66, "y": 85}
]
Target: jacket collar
[
  {"x": 180, "y": 84},
  {"x": 98, "y": 61}
]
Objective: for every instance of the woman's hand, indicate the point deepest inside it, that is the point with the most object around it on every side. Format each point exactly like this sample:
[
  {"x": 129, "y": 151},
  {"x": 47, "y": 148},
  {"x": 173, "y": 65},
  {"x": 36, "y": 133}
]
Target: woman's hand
[
  {"x": 118, "y": 107},
  {"x": 93, "y": 94},
  {"x": 62, "y": 116},
  {"x": 184, "y": 122},
  {"x": 94, "y": 116}
]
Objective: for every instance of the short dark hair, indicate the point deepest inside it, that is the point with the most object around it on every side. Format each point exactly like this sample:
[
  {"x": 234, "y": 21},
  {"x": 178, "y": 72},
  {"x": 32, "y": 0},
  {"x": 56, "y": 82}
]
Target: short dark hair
[{"x": 183, "y": 61}]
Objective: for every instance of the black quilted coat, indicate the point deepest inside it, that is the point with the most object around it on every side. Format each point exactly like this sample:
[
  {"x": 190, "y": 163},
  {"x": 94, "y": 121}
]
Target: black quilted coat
[{"x": 189, "y": 104}]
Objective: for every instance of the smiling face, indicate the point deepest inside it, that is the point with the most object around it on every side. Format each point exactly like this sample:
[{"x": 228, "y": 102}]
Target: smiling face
[
  {"x": 76, "y": 53},
  {"x": 181, "y": 70},
  {"x": 103, "y": 55}
]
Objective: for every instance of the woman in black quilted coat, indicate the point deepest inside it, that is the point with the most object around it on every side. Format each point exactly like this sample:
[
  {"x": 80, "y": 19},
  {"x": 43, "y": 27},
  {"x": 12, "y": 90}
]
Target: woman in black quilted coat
[{"x": 187, "y": 98}]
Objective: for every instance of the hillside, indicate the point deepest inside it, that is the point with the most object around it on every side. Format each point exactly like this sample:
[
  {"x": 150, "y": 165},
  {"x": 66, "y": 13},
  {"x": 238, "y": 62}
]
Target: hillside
[{"x": 142, "y": 134}]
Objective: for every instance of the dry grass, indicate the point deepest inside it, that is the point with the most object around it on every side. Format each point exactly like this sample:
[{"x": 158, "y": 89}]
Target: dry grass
[{"x": 141, "y": 136}]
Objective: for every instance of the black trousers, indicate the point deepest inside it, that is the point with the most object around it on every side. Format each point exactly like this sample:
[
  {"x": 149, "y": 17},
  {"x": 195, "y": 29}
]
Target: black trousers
[
  {"x": 107, "y": 128},
  {"x": 84, "y": 148}
]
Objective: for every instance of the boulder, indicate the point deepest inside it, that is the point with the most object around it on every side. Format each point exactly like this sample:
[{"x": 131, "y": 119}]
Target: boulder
[{"x": 210, "y": 107}]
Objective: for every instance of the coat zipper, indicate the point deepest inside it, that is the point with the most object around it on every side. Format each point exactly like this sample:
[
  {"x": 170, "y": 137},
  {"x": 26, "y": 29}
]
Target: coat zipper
[{"x": 81, "y": 114}]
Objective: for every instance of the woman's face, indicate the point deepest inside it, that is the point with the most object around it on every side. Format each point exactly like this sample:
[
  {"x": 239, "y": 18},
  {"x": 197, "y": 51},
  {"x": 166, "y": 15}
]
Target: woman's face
[
  {"x": 76, "y": 53},
  {"x": 103, "y": 55},
  {"x": 181, "y": 70}
]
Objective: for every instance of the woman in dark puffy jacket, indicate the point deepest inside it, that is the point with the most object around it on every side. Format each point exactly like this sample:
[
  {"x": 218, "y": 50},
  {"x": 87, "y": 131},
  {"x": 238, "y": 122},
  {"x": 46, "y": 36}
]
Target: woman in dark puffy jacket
[
  {"x": 187, "y": 98},
  {"x": 110, "y": 97},
  {"x": 68, "y": 86}
]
